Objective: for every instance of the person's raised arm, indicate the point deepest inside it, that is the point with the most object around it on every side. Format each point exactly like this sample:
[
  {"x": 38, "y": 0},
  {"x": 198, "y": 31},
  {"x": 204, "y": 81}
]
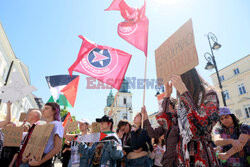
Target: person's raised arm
[
  {"x": 8, "y": 115},
  {"x": 153, "y": 133}
]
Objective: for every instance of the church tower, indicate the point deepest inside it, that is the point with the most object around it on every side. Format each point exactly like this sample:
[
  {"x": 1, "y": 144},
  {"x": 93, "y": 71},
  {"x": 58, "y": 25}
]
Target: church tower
[{"x": 122, "y": 108}]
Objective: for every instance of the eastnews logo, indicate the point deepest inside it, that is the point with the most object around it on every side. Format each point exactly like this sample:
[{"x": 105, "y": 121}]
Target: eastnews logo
[{"x": 133, "y": 83}]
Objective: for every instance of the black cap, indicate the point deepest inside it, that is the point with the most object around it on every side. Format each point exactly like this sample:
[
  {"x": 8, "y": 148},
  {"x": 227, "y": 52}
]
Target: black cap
[{"x": 105, "y": 118}]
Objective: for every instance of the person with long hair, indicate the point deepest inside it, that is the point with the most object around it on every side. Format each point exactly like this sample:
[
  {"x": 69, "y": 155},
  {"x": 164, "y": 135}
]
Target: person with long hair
[
  {"x": 137, "y": 146},
  {"x": 197, "y": 112},
  {"x": 233, "y": 139},
  {"x": 167, "y": 119},
  {"x": 51, "y": 112}
]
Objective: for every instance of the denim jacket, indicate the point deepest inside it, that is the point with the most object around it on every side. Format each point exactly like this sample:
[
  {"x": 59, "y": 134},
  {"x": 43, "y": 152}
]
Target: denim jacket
[{"x": 110, "y": 153}]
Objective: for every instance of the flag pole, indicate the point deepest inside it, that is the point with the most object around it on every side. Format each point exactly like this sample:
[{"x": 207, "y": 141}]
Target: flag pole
[
  {"x": 111, "y": 109},
  {"x": 144, "y": 91}
]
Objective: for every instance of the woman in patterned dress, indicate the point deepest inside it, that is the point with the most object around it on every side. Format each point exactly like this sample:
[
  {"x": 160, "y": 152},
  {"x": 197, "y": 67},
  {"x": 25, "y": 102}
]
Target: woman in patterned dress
[{"x": 197, "y": 114}]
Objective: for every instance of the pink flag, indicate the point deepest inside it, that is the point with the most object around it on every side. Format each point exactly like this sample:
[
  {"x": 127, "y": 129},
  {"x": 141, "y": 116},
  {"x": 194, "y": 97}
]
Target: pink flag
[
  {"x": 114, "y": 5},
  {"x": 135, "y": 27},
  {"x": 104, "y": 63}
]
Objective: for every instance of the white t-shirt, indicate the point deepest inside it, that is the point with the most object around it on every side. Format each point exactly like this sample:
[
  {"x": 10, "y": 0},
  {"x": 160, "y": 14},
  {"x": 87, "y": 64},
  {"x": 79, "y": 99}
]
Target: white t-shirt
[{"x": 57, "y": 130}]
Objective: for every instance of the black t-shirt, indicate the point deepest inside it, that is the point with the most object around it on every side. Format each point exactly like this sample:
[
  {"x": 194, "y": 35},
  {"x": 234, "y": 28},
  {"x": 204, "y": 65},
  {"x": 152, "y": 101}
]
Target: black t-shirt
[{"x": 7, "y": 155}]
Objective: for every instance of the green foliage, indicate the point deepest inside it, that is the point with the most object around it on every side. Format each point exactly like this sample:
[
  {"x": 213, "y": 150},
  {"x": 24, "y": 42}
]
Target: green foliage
[{"x": 64, "y": 111}]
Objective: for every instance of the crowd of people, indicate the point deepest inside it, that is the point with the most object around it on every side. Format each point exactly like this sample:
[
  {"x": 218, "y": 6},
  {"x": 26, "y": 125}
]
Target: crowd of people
[{"x": 193, "y": 131}]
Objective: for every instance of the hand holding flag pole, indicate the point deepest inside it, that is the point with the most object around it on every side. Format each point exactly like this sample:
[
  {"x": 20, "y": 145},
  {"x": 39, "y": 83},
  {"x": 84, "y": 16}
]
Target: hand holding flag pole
[{"x": 134, "y": 29}]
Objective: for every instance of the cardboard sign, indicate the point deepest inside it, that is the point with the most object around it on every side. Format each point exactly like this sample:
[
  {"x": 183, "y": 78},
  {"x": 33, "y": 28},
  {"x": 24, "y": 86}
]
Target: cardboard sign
[
  {"x": 89, "y": 138},
  {"x": 12, "y": 136},
  {"x": 177, "y": 54},
  {"x": 38, "y": 141},
  {"x": 72, "y": 127},
  {"x": 95, "y": 127},
  {"x": 22, "y": 117}
]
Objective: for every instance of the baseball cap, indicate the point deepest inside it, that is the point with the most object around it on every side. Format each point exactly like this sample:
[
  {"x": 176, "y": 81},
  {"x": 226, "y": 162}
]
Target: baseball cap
[
  {"x": 105, "y": 118},
  {"x": 84, "y": 121},
  {"x": 224, "y": 111}
]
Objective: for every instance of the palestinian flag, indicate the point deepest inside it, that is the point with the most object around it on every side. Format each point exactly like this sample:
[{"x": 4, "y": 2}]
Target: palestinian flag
[
  {"x": 65, "y": 119},
  {"x": 63, "y": 89}
]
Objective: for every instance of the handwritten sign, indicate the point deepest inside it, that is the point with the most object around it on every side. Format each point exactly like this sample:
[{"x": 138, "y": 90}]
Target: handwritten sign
[
  {"x": 177, "y": 54},
  {"x": 12, "y": 136},
  {"x": 89, "y": 138},
  {"x": 95, "y": 127},
  {"x": 22, "y": 117},
  {"x": 38, "y": 141},
  {"x": 72, "y": 127}
]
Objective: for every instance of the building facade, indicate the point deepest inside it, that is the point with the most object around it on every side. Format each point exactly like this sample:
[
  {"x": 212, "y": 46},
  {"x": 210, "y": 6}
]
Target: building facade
[
  {"x": 235, "y": 80},
  {"x": 7, "y": 56},
  {"x": 152, "y": 119},
  {"x": 122, "y": 108}
]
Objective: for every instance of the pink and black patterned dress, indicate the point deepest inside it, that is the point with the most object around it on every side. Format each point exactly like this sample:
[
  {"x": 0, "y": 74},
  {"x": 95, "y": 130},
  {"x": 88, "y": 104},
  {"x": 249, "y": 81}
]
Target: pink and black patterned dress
[{"x": 194, "y": 147}]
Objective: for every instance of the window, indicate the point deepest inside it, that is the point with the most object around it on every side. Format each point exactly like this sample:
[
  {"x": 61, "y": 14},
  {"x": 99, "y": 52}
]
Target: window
[
  {"x": 221, "y": 78},
  {"x": 124, "y": 116},
  {"x": 124, "y": 101},
  {"x": 236, "y": 71},
  {"x": 226, "y": 94},
  {"x": 247, "y": 110},
  {"x": 242, "y": 89}
]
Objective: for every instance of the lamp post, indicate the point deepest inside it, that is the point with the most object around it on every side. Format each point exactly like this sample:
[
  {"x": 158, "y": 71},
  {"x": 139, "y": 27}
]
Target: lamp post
[
  {"x": 7, "y": 77},
  {"x": 211, "y": 63}
]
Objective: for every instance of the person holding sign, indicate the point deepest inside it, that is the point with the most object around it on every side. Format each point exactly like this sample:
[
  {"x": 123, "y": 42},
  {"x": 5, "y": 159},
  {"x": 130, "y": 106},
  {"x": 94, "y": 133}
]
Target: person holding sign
[
  {"x": 108, "y": 150},
  {"x": 51, "y": 112},
  {"x": 233, "y": 138},
  {"x": 76, "y": 159},
  {"x": 198, "y": 112},
  {"x": 33, "y": 117}
]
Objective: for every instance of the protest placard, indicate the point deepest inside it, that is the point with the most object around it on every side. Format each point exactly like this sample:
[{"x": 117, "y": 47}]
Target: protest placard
[
  {"x": 38, "y": 141},
  {"x": 12, "y": 136},
  {"x": 95, "y": 127},
  {"x": 72, "y": 126},
  {"x": 177, "y": 54},
  {"x": 22, "y": 117}
]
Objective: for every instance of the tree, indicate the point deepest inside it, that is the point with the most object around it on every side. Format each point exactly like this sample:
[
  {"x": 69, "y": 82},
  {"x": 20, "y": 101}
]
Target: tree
[{"x": 64, "y": 112}]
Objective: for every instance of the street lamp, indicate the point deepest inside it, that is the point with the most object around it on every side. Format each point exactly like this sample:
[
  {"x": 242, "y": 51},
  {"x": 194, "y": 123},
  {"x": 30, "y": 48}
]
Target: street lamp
[{"x": 211, "y": 63}]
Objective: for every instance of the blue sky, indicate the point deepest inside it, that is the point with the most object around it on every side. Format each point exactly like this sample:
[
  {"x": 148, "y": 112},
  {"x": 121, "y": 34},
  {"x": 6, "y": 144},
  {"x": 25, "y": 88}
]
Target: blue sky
[{"x": 44, "y": 35}]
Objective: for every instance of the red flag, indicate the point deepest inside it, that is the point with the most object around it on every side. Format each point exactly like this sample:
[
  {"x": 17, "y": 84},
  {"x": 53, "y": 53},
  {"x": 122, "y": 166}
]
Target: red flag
[
  {"x": 104, "y": 63},
  {"x": 135, "y": 27},
  {"x": 70, "y": 91},
  {"x": 114, "y": 5},
  {"x": 66, "y": 119}
]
